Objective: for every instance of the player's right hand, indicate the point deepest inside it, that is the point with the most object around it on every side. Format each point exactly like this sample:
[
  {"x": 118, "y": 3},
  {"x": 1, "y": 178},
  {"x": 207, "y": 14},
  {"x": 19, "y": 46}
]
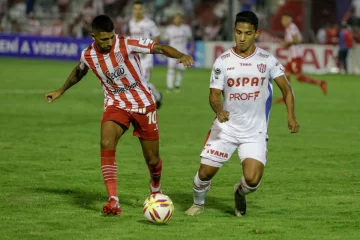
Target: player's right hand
[
  {"x": 223, "y": 116},
  {"x": 51, "y": 96}
]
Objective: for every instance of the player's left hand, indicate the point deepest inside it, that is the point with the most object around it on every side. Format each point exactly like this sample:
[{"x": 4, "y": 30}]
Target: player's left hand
[
  {"x": 187, "y": 60},
  {"x": 293, "y": 125}
]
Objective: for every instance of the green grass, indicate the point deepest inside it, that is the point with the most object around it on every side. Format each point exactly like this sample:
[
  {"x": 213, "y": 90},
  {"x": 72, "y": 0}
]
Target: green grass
[{"x": 52, "y": 187}]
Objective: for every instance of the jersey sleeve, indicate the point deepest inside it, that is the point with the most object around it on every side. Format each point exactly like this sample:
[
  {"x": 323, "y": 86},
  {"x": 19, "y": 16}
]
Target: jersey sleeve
[
  {"x": 276, "y": 68},
  {"x": 217, "y": 79},
  {"x": 140, "y": 45},
  {"x": 166, "y": 36},
  {"x": 83, "y": 65},
  {"x": 189, "y": 32},
  {"x": 155, "y": 32}
]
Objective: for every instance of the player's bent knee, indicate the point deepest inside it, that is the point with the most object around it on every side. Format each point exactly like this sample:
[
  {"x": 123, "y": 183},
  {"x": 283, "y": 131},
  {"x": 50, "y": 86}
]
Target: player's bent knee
[
  {"x": 152, "y": 160},
  {"x": 107, "y": 144},
  {"x": 253, "y": 179},
  {"x": 207, "y": 172}
]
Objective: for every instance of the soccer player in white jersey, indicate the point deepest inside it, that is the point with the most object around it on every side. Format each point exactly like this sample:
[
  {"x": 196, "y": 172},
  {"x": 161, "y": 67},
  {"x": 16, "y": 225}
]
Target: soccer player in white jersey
[
  {"x": 292, "y": 41},
  {"x": 243, "y": 75},
  {"x": 141, "y": 26},
  {"x": 114, "y": 59},
  {"x": 178, "y": 36}
]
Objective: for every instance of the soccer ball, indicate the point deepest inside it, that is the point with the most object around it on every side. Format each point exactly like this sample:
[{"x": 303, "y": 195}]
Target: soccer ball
[{"x": 158, "y": 208}]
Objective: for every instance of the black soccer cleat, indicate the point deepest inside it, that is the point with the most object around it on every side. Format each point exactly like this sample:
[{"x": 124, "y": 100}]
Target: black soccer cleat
[
  {"x": 159, "y": 102},
  {"x": 240, "y": 202}
]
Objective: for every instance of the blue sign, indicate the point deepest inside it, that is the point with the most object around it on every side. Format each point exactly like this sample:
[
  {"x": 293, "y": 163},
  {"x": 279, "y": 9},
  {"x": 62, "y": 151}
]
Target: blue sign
[{"x": 66, "y": 48}]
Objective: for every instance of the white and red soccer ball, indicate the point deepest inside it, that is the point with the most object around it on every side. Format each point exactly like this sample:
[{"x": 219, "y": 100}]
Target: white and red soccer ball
[{"x": 158, "y": 208}]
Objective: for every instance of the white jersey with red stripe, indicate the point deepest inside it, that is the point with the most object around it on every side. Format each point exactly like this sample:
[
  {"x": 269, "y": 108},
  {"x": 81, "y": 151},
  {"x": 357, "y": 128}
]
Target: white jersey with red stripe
[
  {"x": 144, "y": 28},
  {"x": 247, "y": 90},
  {"x": 295, "y": 50},
  {"x": 178, "y": 36},
  {"x": 120, "y": 73}
]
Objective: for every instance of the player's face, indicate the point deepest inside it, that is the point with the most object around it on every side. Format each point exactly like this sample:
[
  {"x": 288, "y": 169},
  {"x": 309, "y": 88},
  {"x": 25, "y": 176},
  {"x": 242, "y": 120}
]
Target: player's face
[
  {"x": 245, "y": 36},
  {"x": 103, "y": 40},
  {"x": 138, "y": 11},
  {"x": 285, "y": 21},
  {"x": 177, "y": 20}
]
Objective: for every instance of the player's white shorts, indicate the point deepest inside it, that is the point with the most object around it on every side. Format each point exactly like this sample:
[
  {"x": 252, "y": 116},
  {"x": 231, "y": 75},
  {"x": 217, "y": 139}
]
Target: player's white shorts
[
  {"x": 147, "y": 64},
  {"x": 220, "y": 146},
  {"x": 146, "y": 61},
  {"x": 172, "y": 64}
]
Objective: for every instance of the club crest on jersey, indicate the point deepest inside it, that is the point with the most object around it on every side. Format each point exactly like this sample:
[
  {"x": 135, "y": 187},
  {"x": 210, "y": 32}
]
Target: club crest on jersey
[
  {"x": 119, "y": 57},
  {"x": 119, "y": 72},
  {"x": 261, "y": 67}
]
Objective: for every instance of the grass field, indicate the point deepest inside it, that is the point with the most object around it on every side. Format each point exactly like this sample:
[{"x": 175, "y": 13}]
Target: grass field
[{"x": 52, "y": 187}]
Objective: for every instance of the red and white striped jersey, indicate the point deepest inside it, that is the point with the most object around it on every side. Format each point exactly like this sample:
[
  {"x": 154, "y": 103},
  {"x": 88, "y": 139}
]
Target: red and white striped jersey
[
  {"x": 120, "y": 72},
  {"x": 296, "y": 50}
]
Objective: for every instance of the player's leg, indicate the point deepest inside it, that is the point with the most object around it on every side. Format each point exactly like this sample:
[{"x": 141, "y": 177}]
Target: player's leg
[
  {"x": 346, "y": 51},
  {"x": 253, "y": 160},
  {"x": 146, "y": 129},
  {"x": 217, "y": 150},
  {"x": 179, "y": 77},
  {"x": 171, "y": 74},
  {"x": 114, "y": 124},
  {"x": 297, "y": 69}
]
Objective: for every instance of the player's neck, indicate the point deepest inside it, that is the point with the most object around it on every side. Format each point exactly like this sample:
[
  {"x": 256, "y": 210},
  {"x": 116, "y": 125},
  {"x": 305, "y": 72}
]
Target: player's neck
[
  {"x": 246, "y": 53},
  {"x": 139, "y": 19}
]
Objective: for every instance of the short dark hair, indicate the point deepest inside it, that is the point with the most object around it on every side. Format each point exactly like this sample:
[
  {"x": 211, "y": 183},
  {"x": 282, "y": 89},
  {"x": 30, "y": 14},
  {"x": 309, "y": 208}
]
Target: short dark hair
[
  {"x": 102, "y": 23},
  {"x": 248, "y": 17},
  {"x": 138, "y": 2}
]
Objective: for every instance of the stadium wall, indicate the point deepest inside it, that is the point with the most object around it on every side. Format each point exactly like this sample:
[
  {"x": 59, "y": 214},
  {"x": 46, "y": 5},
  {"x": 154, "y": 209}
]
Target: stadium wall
[{"x": 318, "y": 59}]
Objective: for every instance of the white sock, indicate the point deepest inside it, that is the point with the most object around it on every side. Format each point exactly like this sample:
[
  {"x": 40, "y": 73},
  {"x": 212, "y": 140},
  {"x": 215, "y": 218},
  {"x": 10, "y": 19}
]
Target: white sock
[
  {"x": 179, "y": 78},
  {"x": 154, "y": 91},
  {"x": 200, "y": 189},
  {"x": 114, "y": 197},
  {"x": 245, "y": 189},
  {"x": 170, "y": 78}
]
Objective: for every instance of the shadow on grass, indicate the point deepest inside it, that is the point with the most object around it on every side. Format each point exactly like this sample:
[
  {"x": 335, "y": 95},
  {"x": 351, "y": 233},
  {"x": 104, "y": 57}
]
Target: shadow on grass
[
  {"x": 185, "y": 200},
  {"x": 82, "y": 199}
]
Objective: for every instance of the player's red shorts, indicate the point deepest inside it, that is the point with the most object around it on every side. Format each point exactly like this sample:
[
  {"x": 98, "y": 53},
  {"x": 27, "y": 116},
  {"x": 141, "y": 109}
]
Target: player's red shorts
[
  {"x": 145, "y": 125},
  {"x": 294, "y": 66}
]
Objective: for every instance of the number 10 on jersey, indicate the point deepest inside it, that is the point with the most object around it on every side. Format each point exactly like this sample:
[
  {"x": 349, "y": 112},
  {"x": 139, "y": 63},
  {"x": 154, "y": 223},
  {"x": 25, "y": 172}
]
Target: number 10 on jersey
[{"x": 151, "y": 117}]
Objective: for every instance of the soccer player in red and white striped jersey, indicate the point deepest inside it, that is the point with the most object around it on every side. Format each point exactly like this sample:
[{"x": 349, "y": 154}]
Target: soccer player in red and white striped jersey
[
  {"x": 115, "y": 60},
  {"x": 293, "y": 40}
]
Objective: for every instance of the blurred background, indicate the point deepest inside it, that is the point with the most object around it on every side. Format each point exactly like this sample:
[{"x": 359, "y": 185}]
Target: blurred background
[{"x": 211, "y": 20}]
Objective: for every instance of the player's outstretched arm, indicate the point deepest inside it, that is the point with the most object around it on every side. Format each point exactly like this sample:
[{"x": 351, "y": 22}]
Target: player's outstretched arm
[
  {"x": 75, "y": 76},
  {"x": 217, "y": 106},
  {"x": 288, "y": 95},
  {"x": 171, "y": 52}
]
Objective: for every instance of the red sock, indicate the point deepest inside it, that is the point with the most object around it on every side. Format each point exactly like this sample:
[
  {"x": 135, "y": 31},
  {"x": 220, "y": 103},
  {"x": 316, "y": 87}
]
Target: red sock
[
  {"x": 155, "y": 174},
  {"x": 307, "y": 79},
  {"x": 109, "y": 171}
]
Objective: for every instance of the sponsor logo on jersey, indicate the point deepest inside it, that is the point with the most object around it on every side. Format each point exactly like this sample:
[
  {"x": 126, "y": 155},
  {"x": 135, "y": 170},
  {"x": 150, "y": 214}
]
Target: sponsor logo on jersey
[
  {"x": 245, "y": 64},
  {"x": 263, "y": 55},
  {"x": 225, "y": 56},
  {"x": 125, "y": 88},
  {"x": 119, "y": 72},
  {"x": 244, "y": 96},
  {"x": 244, "y": 81},
  {"x": 217, "y": 153}
]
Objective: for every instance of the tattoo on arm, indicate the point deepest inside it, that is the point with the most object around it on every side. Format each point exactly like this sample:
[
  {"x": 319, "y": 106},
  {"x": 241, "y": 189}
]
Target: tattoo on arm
[{"x": 75, "y": 76}]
